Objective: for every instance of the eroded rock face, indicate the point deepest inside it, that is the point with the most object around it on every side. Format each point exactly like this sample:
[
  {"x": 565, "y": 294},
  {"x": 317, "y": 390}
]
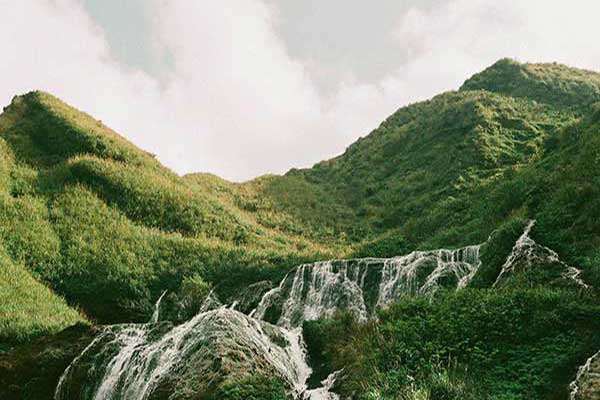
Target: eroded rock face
[
  {"x": 587, "y": 384},
  {"x": 250, "y": 297},
  {"x": 140, "y": 361}
]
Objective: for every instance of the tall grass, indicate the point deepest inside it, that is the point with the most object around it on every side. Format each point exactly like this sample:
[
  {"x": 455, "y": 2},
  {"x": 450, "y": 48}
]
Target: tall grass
[{"x": 27, "y": 307}]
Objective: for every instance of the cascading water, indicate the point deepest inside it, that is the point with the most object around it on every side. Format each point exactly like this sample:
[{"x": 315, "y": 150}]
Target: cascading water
[
  {"x": 156, "y": 313},
  {"x": 132, "y": 361},
  {"x": 317, "y": 290},
  {"x": 527, "y": 252},
  {"x": 585, "y": 373},
  {"x": 129, "y": 361}
]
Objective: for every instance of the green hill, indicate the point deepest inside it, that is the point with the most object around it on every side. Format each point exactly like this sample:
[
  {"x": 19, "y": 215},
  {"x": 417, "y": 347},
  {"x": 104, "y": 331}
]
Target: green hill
[
  {"x": 516, "y": 141},
  {"x": 108, "y": 227},
  {"x": 94, "y": 229}
]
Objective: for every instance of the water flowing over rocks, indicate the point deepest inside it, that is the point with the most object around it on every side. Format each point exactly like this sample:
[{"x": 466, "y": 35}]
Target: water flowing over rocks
[
  {"x": 132, "y": 361},
  {"x": 136, "y": 361},
  {"x": 586, "y": 385},
  {"x": 251, "y": 296},
  {"x": 536, "y": 263},
  {"x": 156, "y": 313},
  {"x": 317, "y": 290},
  {"x": 220, "y": 344}
]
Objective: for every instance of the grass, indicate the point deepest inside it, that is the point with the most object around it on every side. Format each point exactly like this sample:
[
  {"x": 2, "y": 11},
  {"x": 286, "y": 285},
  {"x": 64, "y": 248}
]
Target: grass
[{"x": 29, "y": 309}]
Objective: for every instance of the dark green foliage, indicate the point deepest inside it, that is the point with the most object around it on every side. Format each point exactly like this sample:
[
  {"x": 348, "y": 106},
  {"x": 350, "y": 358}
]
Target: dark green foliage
[
  {"x": 319, "y": 335},
  {"x": 187, "y": 301},
  {"x": 523, "y": 344},
  {"x": 387, "y": 245},
  {"x": 439, "y": 384},
  {"x": 495, "y": 251},
  {"x": 31, "y": 371},
  {"x": 253, "y": 388}
]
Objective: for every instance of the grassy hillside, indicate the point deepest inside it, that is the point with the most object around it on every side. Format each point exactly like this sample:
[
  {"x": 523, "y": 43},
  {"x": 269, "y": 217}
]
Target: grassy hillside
[
  {"x": 449, "y": 171},
  {"x": 107, "y": 227},
  {"x": 90, "y": 222},
  {"x": 29, "y": 309}
]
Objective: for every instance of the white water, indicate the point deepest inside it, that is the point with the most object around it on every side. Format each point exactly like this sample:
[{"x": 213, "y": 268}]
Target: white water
[
  {"x": 61, "y": 391},
  {"x": 317, "y": 290},
  {"x": 297, "y": 354},
  {"x": 583, "y": 370},
  {"x": 156, "y": 313},
  {"x": 324, "y": 392},
  {"x": 528, "y": 251},
  {"x": 311, "y": 291},
  {"x": 141, "y": 362},
  {"x": 140, "y": 359}
]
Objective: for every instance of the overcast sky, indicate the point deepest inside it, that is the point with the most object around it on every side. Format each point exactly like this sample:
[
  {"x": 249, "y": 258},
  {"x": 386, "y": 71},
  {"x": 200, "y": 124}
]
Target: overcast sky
[{"x": 241, "y": 88}]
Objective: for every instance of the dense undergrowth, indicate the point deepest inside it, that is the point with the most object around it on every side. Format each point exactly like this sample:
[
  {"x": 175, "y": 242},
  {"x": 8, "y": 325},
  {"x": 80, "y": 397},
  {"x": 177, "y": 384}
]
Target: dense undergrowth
[{"x": 492, "y": 344}]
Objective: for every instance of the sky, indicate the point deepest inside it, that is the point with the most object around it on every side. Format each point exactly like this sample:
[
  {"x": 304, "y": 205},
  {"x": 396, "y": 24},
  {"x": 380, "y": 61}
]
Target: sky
[{"x": 240, "y": 88}]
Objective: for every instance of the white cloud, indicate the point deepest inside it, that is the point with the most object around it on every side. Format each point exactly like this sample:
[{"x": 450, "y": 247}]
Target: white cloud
[
  {"x": 237, "y": 104},
  {"x": 232, "y": 72}
]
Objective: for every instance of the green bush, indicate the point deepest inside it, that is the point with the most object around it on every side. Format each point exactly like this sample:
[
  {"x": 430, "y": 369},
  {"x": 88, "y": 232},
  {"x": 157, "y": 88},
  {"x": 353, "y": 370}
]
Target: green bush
[{"x": 518, "y": 344}]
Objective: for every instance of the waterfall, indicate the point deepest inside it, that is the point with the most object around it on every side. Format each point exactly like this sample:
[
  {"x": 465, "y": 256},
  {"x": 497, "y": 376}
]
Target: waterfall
[
  {"x": 130, "y": 361},
  {"x": 324, "y": 392},
  {"x": 316, "y": 290},
  {"x": 156, "y": 313},
  {"x": 527, "y": 252},
  {"x": 585, "y": 369}
]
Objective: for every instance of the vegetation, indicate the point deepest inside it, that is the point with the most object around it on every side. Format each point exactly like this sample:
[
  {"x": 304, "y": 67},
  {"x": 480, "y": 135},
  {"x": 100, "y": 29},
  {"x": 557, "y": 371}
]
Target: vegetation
[
  {"x": 87, "y": 217},
  {"x": 521, "y": 344},
  {"x": 107, "y": 227},
  {"x": 253, "y": 388},
  {"x": 29, "y": 309}
]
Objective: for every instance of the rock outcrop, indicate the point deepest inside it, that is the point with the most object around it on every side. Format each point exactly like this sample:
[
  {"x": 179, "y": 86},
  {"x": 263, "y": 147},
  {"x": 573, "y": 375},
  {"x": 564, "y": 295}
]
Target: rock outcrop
[{"x": 587, "y": 384}]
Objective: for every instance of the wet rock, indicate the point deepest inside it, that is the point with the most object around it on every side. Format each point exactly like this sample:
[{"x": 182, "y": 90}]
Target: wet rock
[
  {"x": 316, "y": 290},
  {"x": 192, "y": 360},
  {"x": 587, "y": 384},
  {"x": 531, "y": 264},
  {"x": 32, "y": 370},
  {"x": 250, "y": 297}
]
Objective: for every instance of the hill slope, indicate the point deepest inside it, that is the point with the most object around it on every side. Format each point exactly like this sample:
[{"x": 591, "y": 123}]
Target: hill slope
[
  {"x": 106, "y": 226},
  {"x": 449, "y": 171},
  {"x": 109, "y": 228},
  {"x": 90, "y": 222}
]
